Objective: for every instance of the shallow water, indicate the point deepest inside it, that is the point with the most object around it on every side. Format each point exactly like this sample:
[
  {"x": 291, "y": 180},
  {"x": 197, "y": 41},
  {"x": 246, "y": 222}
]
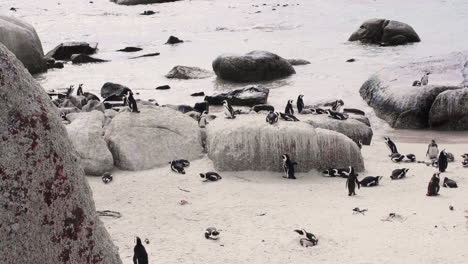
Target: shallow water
[{"x": 315, "y": 30}]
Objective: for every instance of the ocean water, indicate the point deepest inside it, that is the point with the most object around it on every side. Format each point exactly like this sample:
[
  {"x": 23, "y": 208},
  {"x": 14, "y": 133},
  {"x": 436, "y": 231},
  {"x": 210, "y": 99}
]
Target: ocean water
[{"x": 315, "y": 30}]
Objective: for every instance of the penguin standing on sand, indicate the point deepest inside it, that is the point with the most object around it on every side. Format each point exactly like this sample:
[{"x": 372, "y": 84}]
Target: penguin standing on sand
[
  {"x": 370, "y": 181},
  {"x": 139, "y": 256},
  {"x": 443, "y": 161},
  {"x": 288, "y": 167},
  {"x": 202, "y": 122},
  {"x": 289, "y": 108},
  {"x": 448, "y": 183},
  {"x": 391, "y": 145},
  {"x": 425, "y": 79},
  {"x": 210, "y": 176},
  {"x": 432, "y": 150},
  {"x": 308, "y": 239},
  {"x": 272, "y": 118},
  {"x": 300, "y": 103},
  {"x": 336, "y": 115},
  {"x": 434, "y": 185},
  {"x": 351, "y": 183},
  {"x": 228, "y": 110}
]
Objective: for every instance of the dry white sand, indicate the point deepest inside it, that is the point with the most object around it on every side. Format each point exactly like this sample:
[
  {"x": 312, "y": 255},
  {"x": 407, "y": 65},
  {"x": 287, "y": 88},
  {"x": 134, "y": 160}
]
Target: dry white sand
[{"x": 258, "y": 211}]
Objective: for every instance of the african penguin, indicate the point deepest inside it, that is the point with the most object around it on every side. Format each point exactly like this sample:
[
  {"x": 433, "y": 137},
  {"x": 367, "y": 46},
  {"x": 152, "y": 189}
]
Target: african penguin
[
  {"x": 425, "y": 79},
  {"x": 211, "y": 233},
  {"x": 228, "y": 110},
  {"x": 359, "y": 144},
  {"x": 449, "y": 183},
  {"x": 434, "y": 185},
  {"x": 139, "y": 253},
  {"x": 300, "y": 103},
  {"x": 336, "y": 115},
  {"x": 370, "y": 181},
  {"x": 79, "y": 92},
  {"x": 272, "y": 118},
  {"x": 210, "y": 176},
  {"x": 287, "y": 117},
  {"x": 351, "y": 182},
  {"x": 308, "y": 239},
  {"x": 443, "y": 161},
  {"x": 177, "y": 167},
  {"x": 399, "y": 174},
  {"x": 288, "y": 167},
  {"x": 432, "y": 150},
  {"x": 391, "y": 145},
  {"x": 106, "y": 177},
  {"x": 417, "y": 83},
  {"x": 202, "y": 122},
  {"x": 337, "y": 106},
  {"x": 465, "y": 163},
  {"x": 397, "y": 157},
  {"x": 465, "y": 156},
  {"x": 183, "y": 162},
  {"x": 289, "y": 108},
  {"x": 411, "y": 157}
]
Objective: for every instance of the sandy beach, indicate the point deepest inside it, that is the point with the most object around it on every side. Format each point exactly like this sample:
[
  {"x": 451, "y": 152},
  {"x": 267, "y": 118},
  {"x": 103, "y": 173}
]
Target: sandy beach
[{"x": 258, "y": 211}]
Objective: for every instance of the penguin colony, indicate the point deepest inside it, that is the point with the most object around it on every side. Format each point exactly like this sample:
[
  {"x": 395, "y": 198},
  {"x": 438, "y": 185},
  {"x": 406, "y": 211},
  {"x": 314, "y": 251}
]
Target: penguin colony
[{"x": 439, "y": 159}]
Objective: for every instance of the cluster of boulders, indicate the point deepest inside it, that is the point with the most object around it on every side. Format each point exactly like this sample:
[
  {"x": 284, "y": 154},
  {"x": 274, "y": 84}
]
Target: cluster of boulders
[{"x": 440, "y": 104}]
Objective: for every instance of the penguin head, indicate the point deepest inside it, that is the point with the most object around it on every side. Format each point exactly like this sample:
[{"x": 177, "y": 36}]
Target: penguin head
[
  {"x": 301, "y": 96},
  {"x": 205, "y": 112},
  {"x": 427, "y": 73},
  {"x": 138, "y": 241},
  {"x": 387, "y": 139},
  {"x": 285, "y": 157},
  {"x": 202, "y": 175},
  {"x": 225, "y": 102},
  {"x": 300, "y": 231},
  {"x": 277, "y": 113},
  {"x": 290, "y": 101},
  {"x": 80, "y": 85},
  {"x": 379, "y": 178},
  {"x": 436, "y": 175},
  {"x": 406, "y": 170}
]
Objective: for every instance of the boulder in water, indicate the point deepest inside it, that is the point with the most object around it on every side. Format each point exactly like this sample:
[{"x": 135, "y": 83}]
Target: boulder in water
[
  {"x": 130, "y": 49},
  {"x": 86, "y": 133},
  {"x": 252, "y": 67},
  {"x": 47, "y": 212},
  {"x": 21, "y": 39},
  {"x": 113, "y": 89},
  {"x": 141, "y": 2},
  {"x": 83, "y": 58},
  {"x": 250, "y": 143},
  {"x": 65, "y": 50},
  {"x": 187, "y": 72},
  {"x": 247, "y": 96},
  {"x": 152, "y": 138},
  {"x": 174, "y": 40},
  {"x": 385, "y": 32}
]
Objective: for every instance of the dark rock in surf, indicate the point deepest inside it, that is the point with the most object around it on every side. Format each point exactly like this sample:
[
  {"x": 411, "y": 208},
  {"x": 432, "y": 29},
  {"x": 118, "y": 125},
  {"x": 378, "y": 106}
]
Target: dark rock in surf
[
  {"x": 163, "y": 87},
  {"x": 248, "y": 96},
  {"x": 112, "y": 89},
  {"x": 130, "y": 49},
  {"x": 385, "y": 32},
  {"x": 65, "y": 50},
  {"x": 174, "y": 40},
  {"x": 83, "y": 58}
]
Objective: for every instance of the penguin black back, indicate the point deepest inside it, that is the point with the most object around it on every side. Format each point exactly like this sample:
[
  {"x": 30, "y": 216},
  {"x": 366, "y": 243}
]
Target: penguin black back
[
  {"x": 289, "y": 108},
  {"x": 300, "y": 103},
  {"x": 351, "y": 182},
  {"x": 443, "y": 161},
  {"x": 139, "y": 253}
]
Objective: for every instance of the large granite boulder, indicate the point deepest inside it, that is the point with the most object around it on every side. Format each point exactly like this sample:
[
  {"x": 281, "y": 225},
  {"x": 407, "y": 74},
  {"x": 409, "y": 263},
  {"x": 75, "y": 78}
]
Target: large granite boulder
[
  {"x": 153, "y": 137},
  {"x": 385, "y": 32},
  {"x": 391, "y": 94},
  {"x": 352, "y": 128},
  {"x": 247, "y": 96},
  {"x": 47, "y": 212},
  {"x": 21, "y": 39},
  {"x": 450, "y": 110},
  {"x": 186, "y": 72},
  {"x": 252, "y": 67},
  {"x": 87, "y": 135},
  {"x": 250, "y": 143},
  {"x": 112, "y": 89},
  {"x": 65, "y": 50},
  {"x": 141, "y": 2}
]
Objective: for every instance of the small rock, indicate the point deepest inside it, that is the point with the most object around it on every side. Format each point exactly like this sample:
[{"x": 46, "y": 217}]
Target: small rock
[
  {"x": 130, "y": 49},
  {"x": 174, "y": 40},
  {"x": 198, "y": 94},
  {"x": 147, "y": 55},
  {"x": 163, "y": 87},
  {"x": 351, "y": 60}
]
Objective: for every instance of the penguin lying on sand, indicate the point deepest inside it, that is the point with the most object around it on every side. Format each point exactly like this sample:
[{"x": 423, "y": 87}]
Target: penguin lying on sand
[
  {"x": 177, "y": 167},
  {"x": 308, "y": 239},
  {"x": 343, "y": 173},
  {"x": 397, "y": 157},
  {"x": 465, "y": 163},
  {"x": 399, "y": 174},
  {"x": 337, "y": 115},
  {"x": 287, "y": 117},
  {"x": 272, "y": 118},
  {"x": 106, "y": 177},
  {"x": 448, "y": 183},
  {"x": 370, "y": 181},
  {"x": 211, "y": 233},
  {"x": 210, "y": 176}
]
